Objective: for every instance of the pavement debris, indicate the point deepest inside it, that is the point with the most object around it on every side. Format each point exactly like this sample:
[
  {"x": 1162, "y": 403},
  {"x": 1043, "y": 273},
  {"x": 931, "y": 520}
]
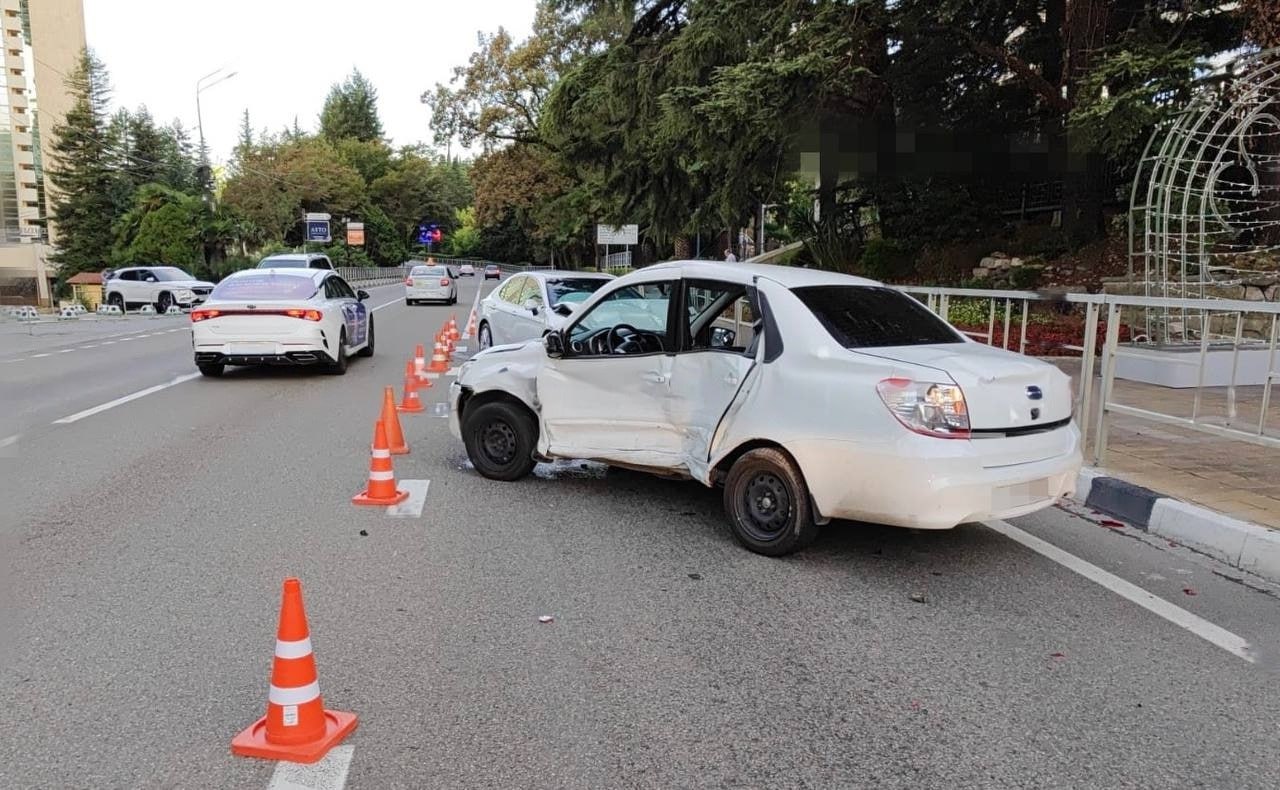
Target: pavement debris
[
  {"x": 546, "y": 618},
  {"x": 919, "y": 597}
]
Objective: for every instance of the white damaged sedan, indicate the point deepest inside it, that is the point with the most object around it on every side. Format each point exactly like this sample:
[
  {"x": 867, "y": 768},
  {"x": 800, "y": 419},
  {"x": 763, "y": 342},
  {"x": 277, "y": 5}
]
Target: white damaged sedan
[{"x": 808, "y": 395}]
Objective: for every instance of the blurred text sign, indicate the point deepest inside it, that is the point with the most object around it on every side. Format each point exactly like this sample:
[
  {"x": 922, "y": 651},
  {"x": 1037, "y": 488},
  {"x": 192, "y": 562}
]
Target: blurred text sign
[{"x": 620, "y": 236}]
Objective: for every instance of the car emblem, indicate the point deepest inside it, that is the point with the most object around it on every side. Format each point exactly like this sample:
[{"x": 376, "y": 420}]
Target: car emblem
[{"x": 1034, "y": 393}]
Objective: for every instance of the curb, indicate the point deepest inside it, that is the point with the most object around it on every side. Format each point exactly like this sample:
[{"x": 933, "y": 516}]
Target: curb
[{"x": 1240, "y": 544}]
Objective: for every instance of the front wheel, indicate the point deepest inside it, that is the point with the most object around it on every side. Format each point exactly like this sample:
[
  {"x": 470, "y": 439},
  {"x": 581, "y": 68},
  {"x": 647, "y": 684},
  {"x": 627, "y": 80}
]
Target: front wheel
[
  {"x": 367, "y": 351},
  {"x": 486, "y": 337},
  {"x": 500, "y": 438},
  {"x": 117, "y": 300},
  {"x": 211, "y": 369},
  {"x": 767, "y": 502},
  {"x": 339, "y": 366},
  {"x": 162, "y": 306}
]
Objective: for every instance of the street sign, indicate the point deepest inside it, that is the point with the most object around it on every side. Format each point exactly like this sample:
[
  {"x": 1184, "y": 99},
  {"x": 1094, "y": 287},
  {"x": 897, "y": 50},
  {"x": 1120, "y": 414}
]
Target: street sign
[
  {"x": 355, "y": 233},
  {"x": 318, "y": 230},
  {"x": 429, "y": 233},
  {"x": 617, "y": 236}
]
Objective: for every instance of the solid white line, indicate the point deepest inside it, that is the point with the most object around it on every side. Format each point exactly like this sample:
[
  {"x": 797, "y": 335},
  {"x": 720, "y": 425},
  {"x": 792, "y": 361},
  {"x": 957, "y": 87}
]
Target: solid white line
[
  {"x": 80, "y": 415},
  {"x": 108, "y": 343},
  {"x": 38, "y": 356},
  {"x": 8, "y": 440},
  {"x": 66, "y": 351},
  {"x": 387, "y": 304},
  {"x": 328, "y": 774},
  {"x": 1153, "y": 603},
  {"x": 411, "y": 507}
]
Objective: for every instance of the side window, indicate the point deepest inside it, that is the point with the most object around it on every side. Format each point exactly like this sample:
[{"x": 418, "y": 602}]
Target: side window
[
  {"x": 340, "y": 288},
  {"x": 146, "y": 276},
  {"x": 129, "y": 276},
  {"x": 532, "y": 290},
  {"x": 331, "y": 289},
  {"x": 641, "y": 309},
  {"x": 716, "y": 316},
  {"x": 511, "y": 291},
  {"x": 320, "y": 263}
]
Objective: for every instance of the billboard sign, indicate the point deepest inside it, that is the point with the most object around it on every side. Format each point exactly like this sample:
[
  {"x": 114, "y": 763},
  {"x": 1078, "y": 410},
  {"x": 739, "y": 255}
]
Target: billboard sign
[{"x": 617, "y": 236}]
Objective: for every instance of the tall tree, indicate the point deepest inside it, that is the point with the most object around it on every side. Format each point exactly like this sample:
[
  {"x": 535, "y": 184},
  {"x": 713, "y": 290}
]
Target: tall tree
[
  {"x": 351, "y": 111},
  {"x": 81, "y": 172}
]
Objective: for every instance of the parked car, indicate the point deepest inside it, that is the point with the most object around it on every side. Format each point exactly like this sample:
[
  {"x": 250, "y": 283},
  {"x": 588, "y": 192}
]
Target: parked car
[
  {"x": 430, "y": 284},
  {"x": 529, "y": 305},
  {"x": 282, "y": 317},
  {"x": 466, "y": 270},
  {"x": 492, "y": 272},
  {"x": 296, "y": 260},
  {"x": 841, "y": 399},
  {"x": 159, "y": 286}
]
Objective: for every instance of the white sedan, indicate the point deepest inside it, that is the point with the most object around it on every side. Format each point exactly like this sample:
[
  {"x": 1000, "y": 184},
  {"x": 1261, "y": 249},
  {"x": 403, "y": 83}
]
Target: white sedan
[
  {"x": 428, "y": 283},
  {"x": 808, "y": 395},
  {"x": 532, "y": 304},
  {"x": 281, "y": 317}
]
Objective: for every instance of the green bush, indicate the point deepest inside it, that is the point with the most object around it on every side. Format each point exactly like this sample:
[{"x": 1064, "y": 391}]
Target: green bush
[
  {"x": 1025, "y": 278},
  {"x": 887, "y": 260}
]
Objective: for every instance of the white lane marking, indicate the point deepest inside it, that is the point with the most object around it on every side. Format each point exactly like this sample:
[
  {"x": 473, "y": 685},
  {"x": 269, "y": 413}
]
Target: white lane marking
[
  {"x": 8, "y": 440},
  {"x": 38, "y": 356},
  {"x": 91, "y": 345},
  {"x": 411, "y": 507},
  {"x": 387, "y": 304},
  {"x": 66, "y": 351},
  {"x": 80, "y": 415},
  {"x": 1153, "y": 603},
  {"x": 108, "y": 343},
  {"x": 329, "y": 773}
]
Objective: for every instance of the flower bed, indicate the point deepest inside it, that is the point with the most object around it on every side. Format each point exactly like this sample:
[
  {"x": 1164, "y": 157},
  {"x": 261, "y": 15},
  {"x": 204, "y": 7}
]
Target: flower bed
[{"x": 1045, "y": 339}]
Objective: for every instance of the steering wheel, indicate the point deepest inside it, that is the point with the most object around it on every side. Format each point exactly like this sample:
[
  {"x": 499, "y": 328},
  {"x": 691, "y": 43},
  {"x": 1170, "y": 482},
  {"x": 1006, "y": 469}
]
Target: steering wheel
[{"x": 621, "y": 339}]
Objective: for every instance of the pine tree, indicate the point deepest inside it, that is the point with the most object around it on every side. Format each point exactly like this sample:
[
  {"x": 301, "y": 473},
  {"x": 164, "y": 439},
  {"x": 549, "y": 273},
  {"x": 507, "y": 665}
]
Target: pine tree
[
  {"x": 179, "y": 159},
  {"x": 81, "y": 173},
  {"x": 351, "y": 111}
]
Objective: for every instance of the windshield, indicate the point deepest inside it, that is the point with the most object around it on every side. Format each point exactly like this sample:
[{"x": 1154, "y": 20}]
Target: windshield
[
  {"x": 283, "y": 263},
  {"x": 264, "y": 286},
  {"x": 870, "y": 317},
  {"x": 170, "y": 274},
  {"x": 573, "y": 290}
]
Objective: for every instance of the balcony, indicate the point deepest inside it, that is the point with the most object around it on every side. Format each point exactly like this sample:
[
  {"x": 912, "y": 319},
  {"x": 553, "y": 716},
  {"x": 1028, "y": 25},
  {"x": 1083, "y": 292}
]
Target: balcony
[{"x": 24, "y": 157}]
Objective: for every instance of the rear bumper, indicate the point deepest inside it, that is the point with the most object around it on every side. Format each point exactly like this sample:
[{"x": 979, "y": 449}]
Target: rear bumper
[
  {"x": 929, "y": 483},
  {"x": 308, "y": 345},
  {"x": 294, "y": 358}
]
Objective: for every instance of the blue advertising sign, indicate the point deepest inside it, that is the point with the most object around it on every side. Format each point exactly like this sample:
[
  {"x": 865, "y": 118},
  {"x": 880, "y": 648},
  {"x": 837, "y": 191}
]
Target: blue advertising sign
[
  {"x": 426, "y": 233},
  {"x": 318, "y": 230}
]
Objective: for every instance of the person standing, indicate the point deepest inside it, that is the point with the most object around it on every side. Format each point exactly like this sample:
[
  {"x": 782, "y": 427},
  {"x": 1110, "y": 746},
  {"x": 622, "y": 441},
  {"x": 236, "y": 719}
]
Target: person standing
[{"x": 729, "y": 257}]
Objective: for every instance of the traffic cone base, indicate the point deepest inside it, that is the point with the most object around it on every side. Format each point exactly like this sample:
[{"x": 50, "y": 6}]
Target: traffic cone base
[
  {"x": 381, "y": 489},
  {"x": 252, "y": 741},
  {"x": 363, "y": 498}
]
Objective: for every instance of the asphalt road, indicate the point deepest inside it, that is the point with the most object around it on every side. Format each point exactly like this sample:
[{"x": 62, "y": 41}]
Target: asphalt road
[{"x": 144, "y": 546}]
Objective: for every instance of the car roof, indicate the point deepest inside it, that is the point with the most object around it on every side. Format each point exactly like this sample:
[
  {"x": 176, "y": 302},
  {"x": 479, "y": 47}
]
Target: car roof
[
  {"x": 295, "y": 256},
  {"x": 312, "y": 274},
  {"x": 743, "y": 272},
  {"x": 561, "y": 274}
]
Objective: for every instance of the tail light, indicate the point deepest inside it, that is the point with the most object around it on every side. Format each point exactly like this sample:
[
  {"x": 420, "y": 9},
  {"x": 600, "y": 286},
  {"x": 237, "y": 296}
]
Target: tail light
[
  {"x": 294, "y": 312},
  {"x": 926, "y": 407},
  {"x": 200, "y": 315},
  {"x": 408, "y": 281},
  {"x": 306, "y": 315},
  {"x": 444, "y": 280}
]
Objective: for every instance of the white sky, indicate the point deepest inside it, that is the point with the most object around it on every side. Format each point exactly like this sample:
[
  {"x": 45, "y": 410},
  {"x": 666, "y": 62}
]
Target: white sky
[{"x": 287, "y": 55}]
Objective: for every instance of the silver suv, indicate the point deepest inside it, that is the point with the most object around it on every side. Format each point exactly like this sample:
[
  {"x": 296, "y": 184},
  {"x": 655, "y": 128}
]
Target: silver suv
[{"x": 296, "y": 260}]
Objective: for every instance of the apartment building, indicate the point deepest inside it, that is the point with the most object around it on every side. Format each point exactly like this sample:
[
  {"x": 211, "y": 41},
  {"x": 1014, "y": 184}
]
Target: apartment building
[{"x": 42, "y": 41}]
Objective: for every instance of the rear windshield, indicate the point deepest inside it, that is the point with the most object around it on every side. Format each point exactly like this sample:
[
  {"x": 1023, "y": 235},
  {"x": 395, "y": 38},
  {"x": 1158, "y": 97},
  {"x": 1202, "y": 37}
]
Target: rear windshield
[
  {"x": 428, "y": 271},
  {"x": 575, "y": 289},
  {"x": 283, "y": 263},
  {"x": 264, "y": 286},
  {"x": 869, "y": 317}
]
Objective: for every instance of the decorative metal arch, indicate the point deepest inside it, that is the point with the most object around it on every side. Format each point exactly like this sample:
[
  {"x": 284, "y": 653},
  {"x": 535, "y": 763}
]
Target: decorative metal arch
[{"x": 1205, "y": 200}]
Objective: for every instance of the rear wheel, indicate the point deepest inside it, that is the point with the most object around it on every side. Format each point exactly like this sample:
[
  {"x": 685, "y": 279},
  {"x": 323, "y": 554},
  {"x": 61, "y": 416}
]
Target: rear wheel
[
  {"x": 165, "y": 301},
  {"x": 367, "y": 351},
  {"x": 339, "y": 366},
  {"x": 211, "y": 369},
  {"x": 767, "y": 502},
  {"x": 117, "y": 300},
  {"x": 500, "y": 438}
]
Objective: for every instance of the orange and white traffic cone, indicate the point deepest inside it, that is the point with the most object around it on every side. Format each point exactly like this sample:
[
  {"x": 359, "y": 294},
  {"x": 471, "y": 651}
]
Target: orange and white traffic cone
[
  {"x": 420, "y": 362},
  {"x": 381, "y": 489},
  {"x": 439, "y": 359},
  {"x": 471, "y": 326},
  {"x": 409, "y": 401},
  {"x": 296, "y": 728},
  {"x": 454, "y": 334},
  {"x": 391, "y": 423}
]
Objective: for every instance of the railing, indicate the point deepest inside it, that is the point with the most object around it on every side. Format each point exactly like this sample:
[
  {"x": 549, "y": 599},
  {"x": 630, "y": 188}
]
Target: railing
[{"x": 1224, "y": 325}]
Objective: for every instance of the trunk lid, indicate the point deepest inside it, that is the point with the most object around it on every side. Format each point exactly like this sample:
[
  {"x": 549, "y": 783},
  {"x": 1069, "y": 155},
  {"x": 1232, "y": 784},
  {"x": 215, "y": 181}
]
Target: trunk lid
[
  {"x": 261, "y": 318},
  {"x": 1002, "y": 389}
]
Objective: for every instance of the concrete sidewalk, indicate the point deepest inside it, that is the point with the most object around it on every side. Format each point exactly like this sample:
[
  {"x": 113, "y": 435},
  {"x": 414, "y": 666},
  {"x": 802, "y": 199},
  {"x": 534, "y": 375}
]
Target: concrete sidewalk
[{"x": 1230, "y": 476}]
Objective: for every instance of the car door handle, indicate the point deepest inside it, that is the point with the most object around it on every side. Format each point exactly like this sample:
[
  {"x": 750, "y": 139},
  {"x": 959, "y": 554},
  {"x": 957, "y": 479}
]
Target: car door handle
[
  {"x": 731, "y": 379},
  {"x": 655, "y": 377}
]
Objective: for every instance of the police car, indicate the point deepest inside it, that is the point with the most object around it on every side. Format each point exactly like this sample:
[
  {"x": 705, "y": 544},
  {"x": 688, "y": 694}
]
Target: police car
[{"x": 282, "y": 317}]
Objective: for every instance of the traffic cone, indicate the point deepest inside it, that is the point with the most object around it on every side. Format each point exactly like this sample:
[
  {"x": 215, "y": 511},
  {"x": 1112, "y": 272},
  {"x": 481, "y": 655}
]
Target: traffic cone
[
  {"x": 391, "y": 423},
  {"x": 381, "y": 489},
  {"x": 454, "y": 334},
  {"x": 471, "y": 325},
  {"x": 420, "y": 362},
  {"x": 439, "y": 359},
  {"x": 296, "y": 728},
  {"x": 409, "y": 401}
]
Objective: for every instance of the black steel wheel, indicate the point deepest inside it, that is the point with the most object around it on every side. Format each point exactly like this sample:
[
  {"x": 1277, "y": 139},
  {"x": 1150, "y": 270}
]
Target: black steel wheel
[
  {"x": 767, "y": 502},
  {"x": 500, "y": 438}
]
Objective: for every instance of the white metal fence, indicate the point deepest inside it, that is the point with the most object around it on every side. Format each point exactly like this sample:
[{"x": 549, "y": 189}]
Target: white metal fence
[{"x": 1225, "y": 325}]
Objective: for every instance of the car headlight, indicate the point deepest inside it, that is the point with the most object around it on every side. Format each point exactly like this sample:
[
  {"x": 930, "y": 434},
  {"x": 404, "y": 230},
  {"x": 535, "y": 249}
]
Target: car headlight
[
  {"x": 184, "y": 294},
  {"x": 926, "y": 407}
]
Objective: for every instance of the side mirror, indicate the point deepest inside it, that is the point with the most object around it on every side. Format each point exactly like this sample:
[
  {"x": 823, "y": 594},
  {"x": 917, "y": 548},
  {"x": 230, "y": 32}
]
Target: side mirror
[
  {"x": 532, "y": 305},
  {"x": 555, "y": 344},
  {"x": 722, "y": 338},
  {"x": 362, "y": 295}
]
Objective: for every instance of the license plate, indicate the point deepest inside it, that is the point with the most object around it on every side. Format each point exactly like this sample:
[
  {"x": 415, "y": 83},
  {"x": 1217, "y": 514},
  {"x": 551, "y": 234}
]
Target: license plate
[
  {"x": 252, "y": 348},
  {"x": 1020, "y": 494}
]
